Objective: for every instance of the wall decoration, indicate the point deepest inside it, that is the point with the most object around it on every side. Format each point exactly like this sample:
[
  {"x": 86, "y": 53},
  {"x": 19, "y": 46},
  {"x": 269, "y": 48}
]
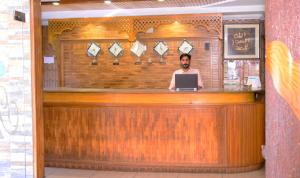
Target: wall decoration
[
  {"x": 93, "y": 51},
  {"x": 133, "y": 25},
  {"x": 241, "y": 41},
  {"x": 138, "y": 49},
  {"x": 161, "y": 48},
  {"x": 127, "y": 30},
  {"x": 185, "y": 47},
  {"x": 116, "y": 50}
]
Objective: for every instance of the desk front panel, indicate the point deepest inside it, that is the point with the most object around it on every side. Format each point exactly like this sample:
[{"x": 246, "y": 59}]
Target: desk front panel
[{"x": 154, "y": 137}]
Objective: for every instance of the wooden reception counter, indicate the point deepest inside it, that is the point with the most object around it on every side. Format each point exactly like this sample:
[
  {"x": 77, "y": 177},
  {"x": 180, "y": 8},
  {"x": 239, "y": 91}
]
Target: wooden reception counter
[{"x": 154, "y": 130}]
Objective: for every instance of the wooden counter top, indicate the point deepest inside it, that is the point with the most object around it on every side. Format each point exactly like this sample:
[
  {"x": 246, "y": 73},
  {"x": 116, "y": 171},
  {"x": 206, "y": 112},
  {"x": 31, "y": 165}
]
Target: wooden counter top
[
  {"x": 103, "y": 90},
  {"x": 142, "y": 96}
]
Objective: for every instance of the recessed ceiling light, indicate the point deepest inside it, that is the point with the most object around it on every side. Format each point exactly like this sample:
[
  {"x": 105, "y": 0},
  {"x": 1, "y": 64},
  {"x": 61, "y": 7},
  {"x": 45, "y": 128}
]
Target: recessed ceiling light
[
  {"x": 107, "y": 2},
  {"x": 160, "y": 0},
  {"x": 55, "y": 3}
]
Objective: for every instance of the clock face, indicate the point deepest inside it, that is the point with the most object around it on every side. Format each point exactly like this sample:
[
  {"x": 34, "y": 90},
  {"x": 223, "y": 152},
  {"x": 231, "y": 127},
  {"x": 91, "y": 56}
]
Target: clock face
[
  {"x": 116, "y": 49},
  {"x": 138, "y": 48},
  {"x": 185, "y": 47},
  {"x": 161, "y": 48},
  {"x": 93, "y": 49}
]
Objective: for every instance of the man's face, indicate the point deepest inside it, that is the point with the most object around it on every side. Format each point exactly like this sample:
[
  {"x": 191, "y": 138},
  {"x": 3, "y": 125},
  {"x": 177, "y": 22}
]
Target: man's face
[{"x": 185, "y": 62}]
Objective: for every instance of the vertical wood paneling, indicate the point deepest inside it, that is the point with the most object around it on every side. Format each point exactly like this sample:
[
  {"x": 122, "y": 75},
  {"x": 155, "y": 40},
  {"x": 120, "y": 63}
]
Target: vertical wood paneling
[
  {"x": 222, "y": 138},
  {"x": 37, "y": 86},
  {"x": 50, "y": 72},
  {"x": 135, "y": 135},
  {"x": 245, "y": 134}
]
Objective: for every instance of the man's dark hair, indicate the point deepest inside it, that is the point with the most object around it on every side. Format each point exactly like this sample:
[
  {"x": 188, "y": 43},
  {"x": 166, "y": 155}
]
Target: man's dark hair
[{"x": 185, "y": 55}]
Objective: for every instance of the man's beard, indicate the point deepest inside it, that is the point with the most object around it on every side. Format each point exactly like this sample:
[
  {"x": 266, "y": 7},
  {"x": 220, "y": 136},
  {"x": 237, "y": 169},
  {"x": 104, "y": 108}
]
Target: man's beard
[{"x": 185, "y": 66}]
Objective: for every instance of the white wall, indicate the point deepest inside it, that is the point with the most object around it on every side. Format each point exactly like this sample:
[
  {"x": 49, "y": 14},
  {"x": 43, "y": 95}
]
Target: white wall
[{"x": 15, "y": 92}]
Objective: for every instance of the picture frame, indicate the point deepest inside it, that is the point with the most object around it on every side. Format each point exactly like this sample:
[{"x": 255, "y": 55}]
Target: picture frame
[
  {"x": 116, "y": 50},
  {"x": 161, "y": 48},
  {"x": 138, "y": 48},
  {"x": 241, "y": 41},
  {"x": 93, "y": 49},
  {"x": 185, "y": 47}
]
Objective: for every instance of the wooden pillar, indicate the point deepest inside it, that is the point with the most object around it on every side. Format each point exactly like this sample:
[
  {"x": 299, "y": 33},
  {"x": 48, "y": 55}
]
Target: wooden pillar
[
  {"x": 282, "y": 89},
  {"x": 37, "y": 86}
]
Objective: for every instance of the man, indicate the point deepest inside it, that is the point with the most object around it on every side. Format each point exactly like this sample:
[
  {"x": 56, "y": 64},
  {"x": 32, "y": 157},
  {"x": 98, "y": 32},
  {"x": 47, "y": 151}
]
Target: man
[{"x": 185, "y": 61}]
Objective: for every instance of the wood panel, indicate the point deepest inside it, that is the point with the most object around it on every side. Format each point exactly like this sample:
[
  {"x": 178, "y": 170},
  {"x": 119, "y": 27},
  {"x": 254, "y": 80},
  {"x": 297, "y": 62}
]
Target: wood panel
[
  {"x": 245, "y": 134},
  {"x": 70, "y": 38},
  {"x": 50, "y": 72},
  {"x": 152, "y": 136},
  {"x": 131, "y": 25},
  {"x": 79, "y": 73},
  {"x": 37, "y": 86},
  {"x": 134, "y": 135},
  {"x": 88, "y": 98},
  {"x": 77, "y": 70}
]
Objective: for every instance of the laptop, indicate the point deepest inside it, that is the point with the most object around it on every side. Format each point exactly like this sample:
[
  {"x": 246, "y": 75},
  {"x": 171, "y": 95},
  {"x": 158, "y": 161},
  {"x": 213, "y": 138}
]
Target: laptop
[{"x": 186, "y": 82}]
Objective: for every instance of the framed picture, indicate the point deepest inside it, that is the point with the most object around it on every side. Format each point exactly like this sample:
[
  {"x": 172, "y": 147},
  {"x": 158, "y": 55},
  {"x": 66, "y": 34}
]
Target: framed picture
[
  {"x": 241, "y": 41},
  {"x": 93, "y": 49}
]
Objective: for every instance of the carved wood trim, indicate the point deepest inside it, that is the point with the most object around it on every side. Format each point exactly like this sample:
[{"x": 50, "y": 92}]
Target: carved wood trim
[
  {"x": 210, "y": 22},
  {"x": 134, "y": 25}
]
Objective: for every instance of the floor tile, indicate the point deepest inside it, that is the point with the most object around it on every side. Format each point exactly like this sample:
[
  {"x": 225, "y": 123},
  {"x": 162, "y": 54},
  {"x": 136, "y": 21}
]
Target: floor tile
[
  {"x": 253, "y": 174},
  {"x": 68, "y": 173},
  {"x": 78, "y": 173},
  {"x": 49, "y": 171},
  {"x": 199, "y": 175},
  {"x": 66, "y": 176},
  {"x": 113, "y": 174},
  {"x": 156, "y": 175}
]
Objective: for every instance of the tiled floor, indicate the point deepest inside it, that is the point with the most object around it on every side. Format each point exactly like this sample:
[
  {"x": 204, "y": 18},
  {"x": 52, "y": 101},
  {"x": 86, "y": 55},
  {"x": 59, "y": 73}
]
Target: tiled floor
[{"x": 77, "y": 173}]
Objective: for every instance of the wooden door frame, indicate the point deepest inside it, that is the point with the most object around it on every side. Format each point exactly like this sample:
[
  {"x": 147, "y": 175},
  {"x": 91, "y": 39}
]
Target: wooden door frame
[{"x": 37, "y": 88}]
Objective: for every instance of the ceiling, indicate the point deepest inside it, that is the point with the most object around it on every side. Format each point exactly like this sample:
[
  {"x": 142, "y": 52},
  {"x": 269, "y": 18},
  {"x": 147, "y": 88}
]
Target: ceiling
[
  {"x": 127, "y": 4},
  {"x": 97, "y": 8},
  {"x": 86, "y": 1}
]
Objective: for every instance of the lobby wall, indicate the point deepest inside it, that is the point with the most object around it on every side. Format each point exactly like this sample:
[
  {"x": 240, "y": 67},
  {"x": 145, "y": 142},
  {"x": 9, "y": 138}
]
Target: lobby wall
[
  {"x": 282, "y": 89},
  {"x": 16, "y": 153}
]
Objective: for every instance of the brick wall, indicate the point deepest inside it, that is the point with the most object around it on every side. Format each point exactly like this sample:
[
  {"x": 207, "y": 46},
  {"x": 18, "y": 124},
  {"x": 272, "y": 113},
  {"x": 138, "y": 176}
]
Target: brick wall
[{"x": 78, "y": 71}]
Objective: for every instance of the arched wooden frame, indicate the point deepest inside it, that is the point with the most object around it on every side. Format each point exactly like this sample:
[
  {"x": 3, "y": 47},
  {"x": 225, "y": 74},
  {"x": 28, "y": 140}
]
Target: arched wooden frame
[{"x": 134, "y": 25}]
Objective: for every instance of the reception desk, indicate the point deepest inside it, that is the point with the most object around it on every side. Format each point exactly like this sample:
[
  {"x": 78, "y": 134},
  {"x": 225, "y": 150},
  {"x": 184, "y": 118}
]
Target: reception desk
[{"x": 212, "y": 130}]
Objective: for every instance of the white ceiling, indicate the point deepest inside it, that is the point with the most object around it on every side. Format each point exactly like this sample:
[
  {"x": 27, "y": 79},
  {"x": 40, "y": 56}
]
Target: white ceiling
[
  {"x": 232, "y": 9},
  {"x": 133, "y": 5}
]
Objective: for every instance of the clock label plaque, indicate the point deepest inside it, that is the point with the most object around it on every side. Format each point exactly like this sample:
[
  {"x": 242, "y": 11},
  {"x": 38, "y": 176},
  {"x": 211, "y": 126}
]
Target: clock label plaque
[
  {"x": 138, "y": 49},
  {"x": 116, "y": 50},
  {"x": 185, "y": 47},
  {"x": 161, "y": 48},
  {"x": 93, "y": 50}
]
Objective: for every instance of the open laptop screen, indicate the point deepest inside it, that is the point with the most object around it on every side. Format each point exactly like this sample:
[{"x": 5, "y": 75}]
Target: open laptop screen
[{"x": 186, "y": 82}]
